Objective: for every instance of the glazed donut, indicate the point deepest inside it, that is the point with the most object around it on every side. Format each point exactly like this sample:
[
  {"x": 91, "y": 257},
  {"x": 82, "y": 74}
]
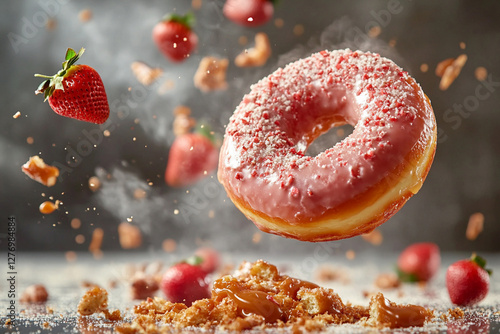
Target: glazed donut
[{"x": 350, "y": 188}]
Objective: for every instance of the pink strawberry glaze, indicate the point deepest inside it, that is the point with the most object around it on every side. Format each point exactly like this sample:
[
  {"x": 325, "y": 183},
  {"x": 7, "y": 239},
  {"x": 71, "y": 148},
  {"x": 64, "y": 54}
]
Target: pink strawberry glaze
[{"x": 262, "y": 160}]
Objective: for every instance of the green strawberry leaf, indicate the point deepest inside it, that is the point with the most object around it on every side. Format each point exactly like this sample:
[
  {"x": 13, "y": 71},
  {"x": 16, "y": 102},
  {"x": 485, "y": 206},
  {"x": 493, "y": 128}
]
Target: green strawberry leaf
[
  {"x": 194, "y": 260},
  {"x": 70, "y": 53},
  {"x": 406, "y": 277},
  {"x": 481, "y": 262},
  {"x": 187, "y": 20}
]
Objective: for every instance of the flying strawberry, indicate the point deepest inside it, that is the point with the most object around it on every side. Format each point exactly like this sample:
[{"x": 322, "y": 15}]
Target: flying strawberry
[
  {"x": 192, "y": 156},
  {"x": 76, "y": 91},
  {"x": 249, "y": 13},
  {"x": 467, "y": 281},
  {"x": 174, "y": 37}
]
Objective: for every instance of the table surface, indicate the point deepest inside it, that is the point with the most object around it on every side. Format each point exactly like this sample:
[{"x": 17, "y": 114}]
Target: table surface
[{"x": 63, "y": 281}]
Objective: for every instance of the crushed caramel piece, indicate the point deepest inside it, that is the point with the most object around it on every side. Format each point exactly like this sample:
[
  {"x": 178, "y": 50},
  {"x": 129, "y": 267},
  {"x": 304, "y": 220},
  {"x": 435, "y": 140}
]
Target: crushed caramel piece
[
  {"x": 443, "y": 65},
  {"x": 183, "y": 122},
  {"x": 374, "y": 237},
  {"x": 474, "y": 226},
  {"x": 387, "y": 281},
  {"x": 16, "y": 115},
  {"x": 211, "y": 74},
  {"x": 144, "y": 73},
  {"x": 256, "y": 56},
  {"x": 37, "y": 170},
  {"x": 36, "y": 293},
  {"x": 93, "y": 301},
  {"x": 129, "y": 235},
  {"x": 452, "y": 71},
  {"x": 48, "y": 207},
  {"x": 94, "y": 183}
]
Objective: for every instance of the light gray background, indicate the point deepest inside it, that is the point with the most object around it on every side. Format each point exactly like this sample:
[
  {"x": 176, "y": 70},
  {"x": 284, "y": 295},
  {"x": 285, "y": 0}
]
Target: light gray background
[{"x": 464, "y": 178}]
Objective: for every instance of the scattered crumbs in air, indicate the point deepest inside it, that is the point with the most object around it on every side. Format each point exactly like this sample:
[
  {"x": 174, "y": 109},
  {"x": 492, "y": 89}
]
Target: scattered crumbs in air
[
  {"x": 139, "y": 194},
  {"x": 16, "y": 115},
  {"x": 94, "y": 183},
  {"x": 106, "y": 133},
  {"x": 243, "y": 40},
  {"x": 298, "y": 30},
  {"x": 96, "y": 242},
  {"x": 393, "y": 42},
  {"x": 169, "y": 245},
  {"x": 350, "y": 254},
  {"x": 424, "y": 68},
  {"x": 51, "y": 24},
  {"x": 374, "y": 237},
  {"x": 256, "y": 238},
  {"x": 75, "y": 223},
  {"x": 474, "y": 226},
  {"x": 279, "y": 22},
  {"x": 374, "y": 31},
  {"x": 211, "y": 214},
  {"x": 196, "y": 4},
  {"x": 30, "y": 140},
  {"x": 481, "y": 73},
  {"x": 462, "y": 45},
  {"x": 80, "y": 239},
  {"x": 85, "y": 15}
]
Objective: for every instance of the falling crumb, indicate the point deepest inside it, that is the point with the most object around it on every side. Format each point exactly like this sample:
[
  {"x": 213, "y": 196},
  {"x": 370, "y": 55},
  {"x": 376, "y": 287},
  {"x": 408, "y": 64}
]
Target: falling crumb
[
  {"x": 51, "y": 24},
  {"x": 256, "y": 238},
  {"x": 169, "y": 245},
  {"x": 183, "y": 123},
  {"x": 48, "y": 207},
  {"x": 166, "y": 86},
  {"x": 37, "y": 170},
  {"x": 452, "y": 72},
  {"x": 374, "y": 237},
  {"x": 96, "y": 242},
  {"x": 481, "y": 73},
  {"x": 387, "y": 281},
  {"x": 196, "y": 4},
  {"x": 374, "y": 31},
  {"x": 211, "y": 74},
  {"x": 393, "y": 42},
  {"x": 256, "y": 56},
  {"x": 144, "y": 73},
  {"x": 298, "y": 30},
  {"x": 129, "y": 235},
  {"x": 16, "y": 115},
  {"x": 139, "y": 193},
  {"x": 106, "y": 133},
  {"x": 85, "y": 15},
  {"x": 424, "y": 68},
  {"x": 462, "y": 45},
  {"x": 70, "y": 256},
  {"x": 30, "y": 140},
  {"x": 279, "y": 22},
  {"x": 443, "y": 65},
  {"x": 340, "y": 133},
  {"x": 94, "y": 183},
  {"x": 350, "y": 255},
  {"x": 475, "y": 226},
  {"x": 211, "y": 214},
  {"x": 75, "y": 223},
  {"x": 243, "y": 40},
  {"x": 80, "y": 239}
]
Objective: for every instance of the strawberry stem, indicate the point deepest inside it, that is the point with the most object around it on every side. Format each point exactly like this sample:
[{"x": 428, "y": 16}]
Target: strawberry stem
[
  {"x": 481, "y": 262},
  {"x": 187, "y": 20},
  {"x": 54, "y": 82}
]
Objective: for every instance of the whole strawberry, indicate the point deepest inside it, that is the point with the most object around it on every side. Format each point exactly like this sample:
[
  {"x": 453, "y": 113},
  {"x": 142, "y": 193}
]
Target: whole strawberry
[
  {"x": 468, "y": 281},
  {"x": 249, "y": 13},
  {"x": 174, "y": 37},
  {"x": 185, "y": 283},
  {"x": 76, "y": 91},
  {"x": 419, "y": 262},
  {"x": 192, "y": 156}
]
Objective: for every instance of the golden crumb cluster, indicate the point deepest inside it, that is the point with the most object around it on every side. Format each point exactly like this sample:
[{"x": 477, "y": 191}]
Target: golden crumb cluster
[{"x": 257, "y": 296}]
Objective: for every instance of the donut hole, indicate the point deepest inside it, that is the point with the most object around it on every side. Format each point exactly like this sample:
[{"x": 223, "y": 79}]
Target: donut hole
[{"x": 329, "y": 139}]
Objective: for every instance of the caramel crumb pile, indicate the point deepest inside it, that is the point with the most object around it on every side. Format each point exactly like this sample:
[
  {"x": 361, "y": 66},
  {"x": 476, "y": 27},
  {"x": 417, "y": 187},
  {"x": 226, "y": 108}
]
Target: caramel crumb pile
[
  {"x": 36, "y": 169},
  {"x": 211, "y": 74},
  {"x": 257, "y": 297}
]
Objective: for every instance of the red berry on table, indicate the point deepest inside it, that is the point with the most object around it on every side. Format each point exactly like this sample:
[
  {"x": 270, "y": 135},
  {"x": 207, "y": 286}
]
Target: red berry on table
[
  {"x": 192, "y": 156},
  {"x": 419, "y": 262},
  {"x": 210, "y": 259},
  {"x": 76, "y": 91},
  {"x": 185, "y": 283},
  {"x": 249, "y": 13},
  {"x": 174, "y": 37},
  {"x": 468, "y": 281}
]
